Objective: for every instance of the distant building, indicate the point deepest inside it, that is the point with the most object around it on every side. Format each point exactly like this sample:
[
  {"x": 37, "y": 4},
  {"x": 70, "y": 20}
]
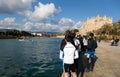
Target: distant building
[
  {"x": 94, "y": 23},
  {"x": 37, "y": 34},
  {"x": 33, "y": 33}
]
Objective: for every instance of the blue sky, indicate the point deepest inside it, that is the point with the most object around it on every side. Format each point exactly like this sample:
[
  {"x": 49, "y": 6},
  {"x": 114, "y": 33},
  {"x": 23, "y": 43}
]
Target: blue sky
[{"x": 54, "y": 15}]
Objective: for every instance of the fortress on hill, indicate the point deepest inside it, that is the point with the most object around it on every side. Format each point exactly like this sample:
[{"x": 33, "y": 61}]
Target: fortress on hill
[{"x": 94, "y": 23}]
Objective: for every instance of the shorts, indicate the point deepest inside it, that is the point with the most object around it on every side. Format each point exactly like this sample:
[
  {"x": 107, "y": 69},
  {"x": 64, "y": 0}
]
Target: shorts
[
  {"x": 69, "y": 67},
  {"x": 90, "y": 54}
]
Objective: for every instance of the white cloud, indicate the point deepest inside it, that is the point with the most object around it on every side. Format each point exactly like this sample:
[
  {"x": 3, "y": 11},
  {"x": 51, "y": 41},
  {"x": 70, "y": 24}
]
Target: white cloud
[
  {"x": 63, "y": 25},
  {"x": 28, "y": 26},
  {"x": 40, "y": 27},
  {"x": 12, "y": 6},
  {"x": 8, "y": 20},
  {"x": 39, "y": 13},
  {"x": 9, "y": 23},
  {"x": 66, "y": 24},
  {"x": 77, "y": 25},
  {"x": 42, "y": 12}
]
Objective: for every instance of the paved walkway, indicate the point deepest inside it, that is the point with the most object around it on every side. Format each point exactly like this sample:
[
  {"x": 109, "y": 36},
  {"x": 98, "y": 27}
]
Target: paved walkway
[{"x": 108, "y": 63}]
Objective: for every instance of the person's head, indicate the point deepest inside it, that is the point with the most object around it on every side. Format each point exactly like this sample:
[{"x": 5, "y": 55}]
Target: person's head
[
  {"x": 91, "y": 35},
  {"x": 68, "y": 38},
  {"x": 77, "y": 34},
  {"x": 68, "y": 32},
  {"x": 72, "y": 35},
  {"x": 85, "y": 37}
]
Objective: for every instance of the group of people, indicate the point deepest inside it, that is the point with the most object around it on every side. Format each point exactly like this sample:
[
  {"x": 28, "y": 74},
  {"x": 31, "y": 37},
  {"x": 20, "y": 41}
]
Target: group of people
[
  {"x": 114, "y": 42},
  {"x": 77, "y": 53}
]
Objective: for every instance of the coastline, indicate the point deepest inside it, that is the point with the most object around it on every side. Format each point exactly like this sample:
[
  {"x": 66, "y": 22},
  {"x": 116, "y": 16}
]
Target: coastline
[{"x": 60, "y": 36}]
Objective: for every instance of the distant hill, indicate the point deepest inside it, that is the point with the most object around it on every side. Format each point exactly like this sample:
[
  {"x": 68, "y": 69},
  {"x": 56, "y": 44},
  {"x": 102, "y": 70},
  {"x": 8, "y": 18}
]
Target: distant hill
[
  {"x": 12, "y": 33},
  {"x": 2, "y": 30}
]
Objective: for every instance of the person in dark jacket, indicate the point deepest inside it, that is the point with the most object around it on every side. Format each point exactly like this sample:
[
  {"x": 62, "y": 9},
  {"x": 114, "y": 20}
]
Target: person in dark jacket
[{"x": 92, "y": 45}]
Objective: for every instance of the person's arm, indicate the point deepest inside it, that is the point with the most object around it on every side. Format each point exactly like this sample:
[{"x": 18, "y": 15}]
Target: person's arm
[
  {"x": 62, "y": 45},
  {"x": 76, "y": 54},
  {"x": 61, "y": 54},
  {"x": 96, "y": 44}
]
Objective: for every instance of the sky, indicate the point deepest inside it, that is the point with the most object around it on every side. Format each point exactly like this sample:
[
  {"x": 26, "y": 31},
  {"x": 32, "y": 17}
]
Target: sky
[{"x": 54, "y": 15}]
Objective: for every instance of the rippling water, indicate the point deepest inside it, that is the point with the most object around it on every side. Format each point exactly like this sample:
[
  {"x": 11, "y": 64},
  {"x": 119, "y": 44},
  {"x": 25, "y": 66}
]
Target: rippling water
[{"x": 34, "y": 57}]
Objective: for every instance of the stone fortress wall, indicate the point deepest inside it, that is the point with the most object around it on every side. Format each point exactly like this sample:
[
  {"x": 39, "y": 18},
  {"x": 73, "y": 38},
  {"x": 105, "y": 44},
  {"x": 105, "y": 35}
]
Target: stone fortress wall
[{"x": 94, "y": 23}]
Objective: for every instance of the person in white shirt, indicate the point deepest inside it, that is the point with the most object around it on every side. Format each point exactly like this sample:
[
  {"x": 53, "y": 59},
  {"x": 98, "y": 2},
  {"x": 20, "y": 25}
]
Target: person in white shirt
[{"x": 68, "y": 55}]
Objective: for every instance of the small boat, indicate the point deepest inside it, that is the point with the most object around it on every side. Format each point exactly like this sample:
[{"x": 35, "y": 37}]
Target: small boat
[{"x": 21, "y": 39}]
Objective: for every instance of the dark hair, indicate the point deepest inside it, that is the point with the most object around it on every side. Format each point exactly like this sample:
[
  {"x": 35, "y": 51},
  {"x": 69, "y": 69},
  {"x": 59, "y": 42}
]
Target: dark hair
[
  {"x": 68, "y": 38},
  {"x": 68, "y": 32},
  {"x": 91, "y": 34}
]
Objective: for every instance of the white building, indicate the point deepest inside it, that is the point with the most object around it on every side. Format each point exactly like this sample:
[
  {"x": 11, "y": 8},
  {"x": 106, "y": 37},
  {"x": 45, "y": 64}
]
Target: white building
[{"x": 37, "y": 34}]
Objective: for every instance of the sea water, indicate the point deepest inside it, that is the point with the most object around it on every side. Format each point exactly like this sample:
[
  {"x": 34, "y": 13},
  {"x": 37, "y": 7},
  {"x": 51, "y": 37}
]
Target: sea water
[{"x": 34, "y": 57}]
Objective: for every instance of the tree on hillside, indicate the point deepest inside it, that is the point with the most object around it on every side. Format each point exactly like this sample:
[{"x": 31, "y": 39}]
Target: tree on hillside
[
  {"x": 116, "y": 28},
  {"x": 15, "y": 33},
  {"x": 107, "y": 28},
  {"x": 104, "y": 30},
  {"x": 75, "y": 30}
]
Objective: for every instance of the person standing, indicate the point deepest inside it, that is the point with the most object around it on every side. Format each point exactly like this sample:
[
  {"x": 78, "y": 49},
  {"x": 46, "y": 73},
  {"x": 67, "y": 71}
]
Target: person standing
[
  {"x": 81, "y": 64},
  {"x": 68, "y": 55},
  {"x": 92, "y": 45}
]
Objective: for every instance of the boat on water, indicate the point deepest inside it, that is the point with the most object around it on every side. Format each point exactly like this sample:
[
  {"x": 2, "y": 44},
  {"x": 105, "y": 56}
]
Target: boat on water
[
  {"x": 21, "y": 39},
  {"x": 24, "y": 39}
]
